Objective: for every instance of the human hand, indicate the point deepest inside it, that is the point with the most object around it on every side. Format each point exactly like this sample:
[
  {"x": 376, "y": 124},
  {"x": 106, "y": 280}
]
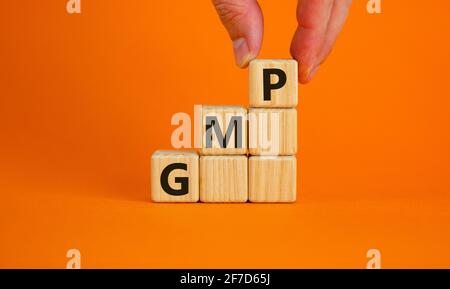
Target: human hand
[{"x": 319, "y": 24}]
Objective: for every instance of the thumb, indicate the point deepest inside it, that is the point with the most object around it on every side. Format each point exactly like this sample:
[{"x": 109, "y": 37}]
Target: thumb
[{"x": 244, "y": 22}]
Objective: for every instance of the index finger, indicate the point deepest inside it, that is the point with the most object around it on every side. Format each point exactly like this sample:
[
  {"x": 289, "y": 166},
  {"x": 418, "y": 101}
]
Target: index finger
[{"x": 313, "y": 17}]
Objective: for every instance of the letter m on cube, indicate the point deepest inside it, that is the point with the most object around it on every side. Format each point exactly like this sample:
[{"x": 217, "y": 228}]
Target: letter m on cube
[{"x": 224, "y": 130}]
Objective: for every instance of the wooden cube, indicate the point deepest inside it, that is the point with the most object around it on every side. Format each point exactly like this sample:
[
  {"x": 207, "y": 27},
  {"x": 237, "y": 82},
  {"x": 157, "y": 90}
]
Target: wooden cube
[
  {"x": 272, "y": 131},
  {"x": 223, "y": 179},
  {"x": 272, "y": 179},
  {"x": 175, "y": 176},
  {"x": 273, "y": 83},
  {"x": 224, "y": 130}
]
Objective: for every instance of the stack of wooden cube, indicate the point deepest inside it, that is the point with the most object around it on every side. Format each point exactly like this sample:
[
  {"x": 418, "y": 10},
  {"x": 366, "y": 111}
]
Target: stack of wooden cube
[{"x": 245, "y": 155}]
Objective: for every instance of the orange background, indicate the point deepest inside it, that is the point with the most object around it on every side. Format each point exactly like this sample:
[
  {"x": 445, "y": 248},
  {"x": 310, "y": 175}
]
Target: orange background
[{"x": 85, "y": 100}]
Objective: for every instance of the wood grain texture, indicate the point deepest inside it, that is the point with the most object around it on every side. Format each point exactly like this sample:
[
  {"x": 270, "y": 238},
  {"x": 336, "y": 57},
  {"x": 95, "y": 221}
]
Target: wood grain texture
[
  {"x": 286, "y": 96},
  {"x": 272, "y": 131},
  {"x": 162, "y": 159},
  {"x": 224, "y": 116},
  {"x": 272, "y": 179},
  {"x": 223, "y": 179}
]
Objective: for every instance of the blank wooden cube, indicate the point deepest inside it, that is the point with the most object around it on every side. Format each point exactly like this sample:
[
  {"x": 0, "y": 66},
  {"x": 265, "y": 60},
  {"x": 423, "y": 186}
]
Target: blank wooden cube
[
  {"x": 224, "y": 130},
  {"x": 272, "y": 179},
  {"x": 175, "y": 176},
  {"x": 223, "y": 179},
  {"x": 272, "y": 131},
  {"x": 273, "y": 83}
]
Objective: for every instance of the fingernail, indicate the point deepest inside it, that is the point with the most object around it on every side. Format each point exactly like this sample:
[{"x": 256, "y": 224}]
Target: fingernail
[
  {"x": 242, "y": 54},
  {"x": 312, "y": 73}
]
